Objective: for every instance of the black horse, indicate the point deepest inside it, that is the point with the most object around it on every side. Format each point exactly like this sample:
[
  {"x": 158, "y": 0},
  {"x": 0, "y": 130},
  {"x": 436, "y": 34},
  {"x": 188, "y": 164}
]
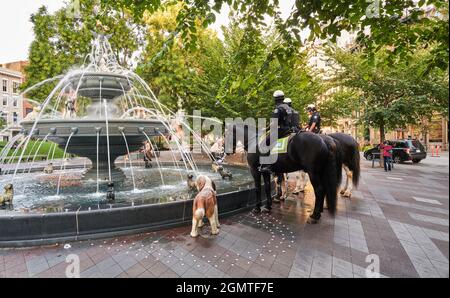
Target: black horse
[
  {"x": 317, "y": 155},
  {"x": 349, "y": 150}
]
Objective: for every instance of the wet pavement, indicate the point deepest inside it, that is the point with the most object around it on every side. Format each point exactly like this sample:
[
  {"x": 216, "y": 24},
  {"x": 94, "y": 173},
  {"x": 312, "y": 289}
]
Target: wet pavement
[{"x": 400, "y": 218}]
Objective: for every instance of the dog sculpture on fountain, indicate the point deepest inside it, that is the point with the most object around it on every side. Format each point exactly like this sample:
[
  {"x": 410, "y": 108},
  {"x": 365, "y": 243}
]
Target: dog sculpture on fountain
[
  {"x": 49, "y": 169},
  {"x": 192, "y": 186},
  {"x": 225, "y": 174},
  {"x": 7, "y": 197},
  {"x": 205, "y": 204}
]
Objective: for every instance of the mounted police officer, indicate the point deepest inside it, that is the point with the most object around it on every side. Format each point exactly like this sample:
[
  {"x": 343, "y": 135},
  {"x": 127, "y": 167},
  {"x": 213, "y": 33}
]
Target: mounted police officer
[
  {"x": 283, "y": 113},
  {"x": 295, "y": 117},
  {"x": 314, "y": 120}
]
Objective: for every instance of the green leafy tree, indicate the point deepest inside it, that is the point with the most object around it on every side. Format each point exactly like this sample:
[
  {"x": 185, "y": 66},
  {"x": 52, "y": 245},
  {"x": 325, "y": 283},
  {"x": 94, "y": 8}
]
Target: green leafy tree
[
  {"x": 393, "y": 96},
  {"x": 2, "y": 123},
  {"x": 233, "y": 78},
  {"x": 191, "y": 76},
  {"x": 256, "y": 67},
  {"x": 405, "y": 25}
]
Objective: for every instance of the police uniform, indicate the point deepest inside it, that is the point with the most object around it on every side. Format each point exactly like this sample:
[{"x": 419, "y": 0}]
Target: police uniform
[
  {"x": 315, "y": 118},
  {"x": 283, "y": 113},
  {"x": 295, "y": 121}
]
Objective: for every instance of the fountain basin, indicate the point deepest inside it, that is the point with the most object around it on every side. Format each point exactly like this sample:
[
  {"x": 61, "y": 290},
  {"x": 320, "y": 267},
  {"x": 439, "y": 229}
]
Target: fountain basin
[
  {"x": 83, "y": 142},
  {"x": 89, "y": 222},
  {"x": 30, "y": 230}
]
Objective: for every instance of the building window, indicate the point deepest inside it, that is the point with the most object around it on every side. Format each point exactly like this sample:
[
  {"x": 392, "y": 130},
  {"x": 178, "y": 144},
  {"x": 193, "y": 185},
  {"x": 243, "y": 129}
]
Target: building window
[
  {"x": 16, "y": 86},
  {"x": 5, "y": 101},
  {"x": 5, "y": 85},
  {"x": 15, "y": 118},
  {"x": 15, "y": 101}
]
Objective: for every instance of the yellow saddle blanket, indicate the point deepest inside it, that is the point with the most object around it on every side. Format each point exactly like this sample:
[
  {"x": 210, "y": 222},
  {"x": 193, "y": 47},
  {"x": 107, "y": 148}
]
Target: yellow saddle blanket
[{"x": 281, "y": 146}]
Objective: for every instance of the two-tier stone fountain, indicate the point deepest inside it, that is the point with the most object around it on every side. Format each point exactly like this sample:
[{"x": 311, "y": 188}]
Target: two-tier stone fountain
[{"x": 100, "y": 112}]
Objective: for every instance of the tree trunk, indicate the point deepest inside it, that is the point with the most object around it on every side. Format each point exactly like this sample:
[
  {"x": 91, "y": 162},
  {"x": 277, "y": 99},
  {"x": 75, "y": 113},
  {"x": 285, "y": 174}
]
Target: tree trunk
[
  {"x": 382, "y": 139},
  {"x": 382, "y": 133}
]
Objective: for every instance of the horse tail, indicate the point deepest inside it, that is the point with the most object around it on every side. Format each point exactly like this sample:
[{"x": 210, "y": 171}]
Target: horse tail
[
  {"x": 354, "y": 165},
  {"x": 350, "y": 148},
  {"x": 332, "y": 176}
]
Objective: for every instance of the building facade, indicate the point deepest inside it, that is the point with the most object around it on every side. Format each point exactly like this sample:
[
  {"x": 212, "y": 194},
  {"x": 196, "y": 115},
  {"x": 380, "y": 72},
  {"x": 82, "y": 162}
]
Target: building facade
[{"x": 13, "y": 108}]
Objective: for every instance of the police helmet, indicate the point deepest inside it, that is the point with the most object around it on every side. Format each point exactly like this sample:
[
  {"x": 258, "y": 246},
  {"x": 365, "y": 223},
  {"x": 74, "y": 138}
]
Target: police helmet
[
  {"x": 311, "y": 108},
  {"x": 278, "y": 95}
]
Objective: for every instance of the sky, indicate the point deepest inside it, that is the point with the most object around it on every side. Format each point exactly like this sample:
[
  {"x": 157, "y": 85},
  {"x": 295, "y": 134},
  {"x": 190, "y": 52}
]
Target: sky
[{"x": 17, "y": 31}]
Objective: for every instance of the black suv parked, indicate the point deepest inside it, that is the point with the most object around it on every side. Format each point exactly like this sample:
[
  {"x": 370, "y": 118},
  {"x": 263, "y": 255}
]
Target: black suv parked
[{"x": 404, "y": 150}]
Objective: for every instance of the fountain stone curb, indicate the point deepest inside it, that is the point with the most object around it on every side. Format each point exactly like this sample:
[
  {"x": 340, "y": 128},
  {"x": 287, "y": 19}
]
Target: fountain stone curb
[{"x": 46, "y": 229}]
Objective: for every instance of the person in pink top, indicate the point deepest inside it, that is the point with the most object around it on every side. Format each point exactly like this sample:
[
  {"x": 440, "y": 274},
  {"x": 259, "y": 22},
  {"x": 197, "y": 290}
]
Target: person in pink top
[{"x": 387, "y": 155}]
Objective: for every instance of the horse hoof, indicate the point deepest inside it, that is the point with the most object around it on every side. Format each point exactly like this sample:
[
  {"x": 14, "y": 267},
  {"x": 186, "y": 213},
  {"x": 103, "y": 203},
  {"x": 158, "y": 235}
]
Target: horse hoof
[
  {"x": 194, "y": 235},
  {"x": 266, "y": 210},
  {"x": 313, "y": 221},
  {"x": 256, "y": 211},
  {"x": 347, "y": 195}
]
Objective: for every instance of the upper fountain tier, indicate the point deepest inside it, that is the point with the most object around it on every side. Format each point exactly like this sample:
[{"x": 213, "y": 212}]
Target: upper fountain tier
[
  {"x": 103, "y": 77},
  {"x": 100, "y": 85}
]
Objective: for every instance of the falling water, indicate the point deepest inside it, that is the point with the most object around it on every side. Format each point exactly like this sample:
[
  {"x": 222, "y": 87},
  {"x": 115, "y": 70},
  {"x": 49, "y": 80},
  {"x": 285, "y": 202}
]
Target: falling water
[
  {"x": 98, "y": 141},
  {"x": 173, "y": 155},
  {"x": 44, "y": 105},
  {"x": 131, "y": 162},
  {"x": 156, "y": 157},
  {"x": 8, "y": 147},
  {"x": 37, "y": 151},
  {"x": 63, "y": 165},
  {"x": 13, "y": 156},
  {"x": 107, "y": 139}
]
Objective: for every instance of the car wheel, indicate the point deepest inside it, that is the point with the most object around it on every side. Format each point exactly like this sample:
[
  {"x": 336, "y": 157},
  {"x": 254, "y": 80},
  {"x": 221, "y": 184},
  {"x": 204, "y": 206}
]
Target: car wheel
[
  {"x": 417, "y": 160},
  {"x": 397, "y": 159},
  {"x": 369, "y": 157}
]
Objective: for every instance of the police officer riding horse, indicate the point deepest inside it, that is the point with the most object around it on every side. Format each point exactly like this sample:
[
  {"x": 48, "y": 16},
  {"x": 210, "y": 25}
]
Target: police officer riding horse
[{"x": 288, "y": 121}]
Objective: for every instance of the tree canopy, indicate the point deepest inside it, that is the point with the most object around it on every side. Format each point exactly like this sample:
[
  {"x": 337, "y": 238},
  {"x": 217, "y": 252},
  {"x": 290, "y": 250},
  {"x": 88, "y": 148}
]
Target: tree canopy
[
  {"x": 392, "y": 96},
  {"x": 404, "y": 25}
]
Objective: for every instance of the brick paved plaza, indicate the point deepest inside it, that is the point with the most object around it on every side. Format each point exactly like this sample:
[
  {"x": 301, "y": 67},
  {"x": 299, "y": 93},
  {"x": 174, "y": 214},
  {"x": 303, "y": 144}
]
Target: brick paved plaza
[{"x": 402, "y": 217}]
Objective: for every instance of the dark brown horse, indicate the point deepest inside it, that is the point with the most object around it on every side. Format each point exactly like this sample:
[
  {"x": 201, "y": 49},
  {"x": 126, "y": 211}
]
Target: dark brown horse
[
  {"x": 349, "y": 150},
  {"x": 316, "y": 155}
]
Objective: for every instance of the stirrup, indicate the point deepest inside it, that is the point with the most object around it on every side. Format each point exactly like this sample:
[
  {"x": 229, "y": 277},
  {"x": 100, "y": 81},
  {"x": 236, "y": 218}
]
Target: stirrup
[{"x": 264, "y": 169}]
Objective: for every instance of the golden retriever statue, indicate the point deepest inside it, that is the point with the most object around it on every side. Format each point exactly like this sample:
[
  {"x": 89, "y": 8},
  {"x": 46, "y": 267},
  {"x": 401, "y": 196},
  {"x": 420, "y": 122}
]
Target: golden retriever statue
[
  {"x": 8, "y": 196},
  {"x": 205, "y": 204}
]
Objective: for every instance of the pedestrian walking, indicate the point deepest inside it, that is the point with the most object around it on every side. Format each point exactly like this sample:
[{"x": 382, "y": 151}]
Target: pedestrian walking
[{"x": 387, "y": 155}]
